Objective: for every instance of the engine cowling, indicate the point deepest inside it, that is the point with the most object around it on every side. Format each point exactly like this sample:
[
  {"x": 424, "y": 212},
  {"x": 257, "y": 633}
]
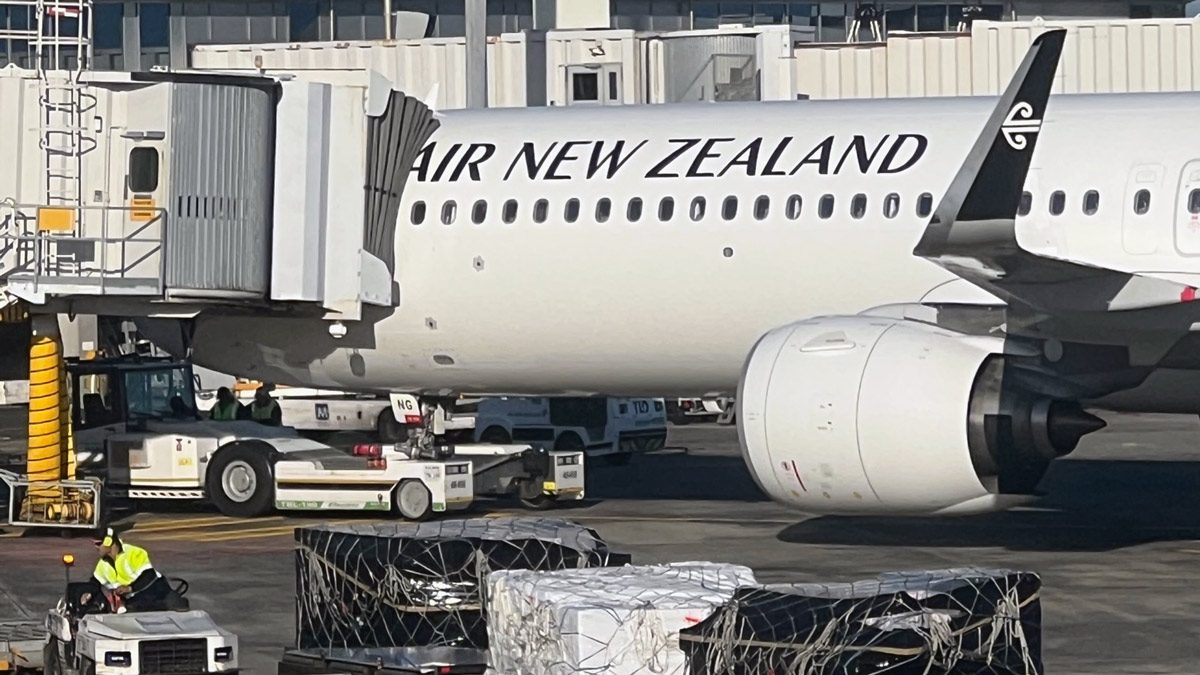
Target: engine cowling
[{"x": 868, "y": 415}]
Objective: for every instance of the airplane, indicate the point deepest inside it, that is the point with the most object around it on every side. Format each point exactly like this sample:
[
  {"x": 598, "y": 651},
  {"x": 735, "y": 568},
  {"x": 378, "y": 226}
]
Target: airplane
[{"x": 912, "y": 307}]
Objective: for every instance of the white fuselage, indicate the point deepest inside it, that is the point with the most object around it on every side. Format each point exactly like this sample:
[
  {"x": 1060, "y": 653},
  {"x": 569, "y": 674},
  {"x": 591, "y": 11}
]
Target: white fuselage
[{"x": 672, "y": 307}]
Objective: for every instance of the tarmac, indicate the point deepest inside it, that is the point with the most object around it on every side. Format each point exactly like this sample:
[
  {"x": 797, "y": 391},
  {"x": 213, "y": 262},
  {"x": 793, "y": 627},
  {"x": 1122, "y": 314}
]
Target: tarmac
[{"x": 1116, "y": 541}]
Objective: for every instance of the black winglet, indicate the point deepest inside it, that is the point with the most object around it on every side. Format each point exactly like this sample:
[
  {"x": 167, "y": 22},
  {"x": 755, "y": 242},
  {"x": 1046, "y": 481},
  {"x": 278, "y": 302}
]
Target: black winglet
[{"x": 980, "y": 207}]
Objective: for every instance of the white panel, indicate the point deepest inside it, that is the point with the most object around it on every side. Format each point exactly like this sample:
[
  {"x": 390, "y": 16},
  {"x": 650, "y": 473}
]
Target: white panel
[
  {"x": 574, "y": 14},
  {"x": 301, "y": 166},
  {"x": 347, "y": 157}
]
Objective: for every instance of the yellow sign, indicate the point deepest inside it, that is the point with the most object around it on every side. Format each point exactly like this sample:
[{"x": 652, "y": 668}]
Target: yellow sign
[
  {"x": 186, "y": 461},
  {"x": 143, "y": 209},
  {"x": 51, "y": 219}
]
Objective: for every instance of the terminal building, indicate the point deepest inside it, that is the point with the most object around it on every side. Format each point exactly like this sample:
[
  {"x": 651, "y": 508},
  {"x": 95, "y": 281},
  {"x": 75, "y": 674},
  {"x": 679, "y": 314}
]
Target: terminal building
[{"x": 138, "y": 35}]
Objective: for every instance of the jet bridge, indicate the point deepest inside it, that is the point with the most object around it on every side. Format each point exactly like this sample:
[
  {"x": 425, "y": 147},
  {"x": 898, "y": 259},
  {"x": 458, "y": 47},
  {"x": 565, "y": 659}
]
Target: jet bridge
[{"x": 162, "y": 193}]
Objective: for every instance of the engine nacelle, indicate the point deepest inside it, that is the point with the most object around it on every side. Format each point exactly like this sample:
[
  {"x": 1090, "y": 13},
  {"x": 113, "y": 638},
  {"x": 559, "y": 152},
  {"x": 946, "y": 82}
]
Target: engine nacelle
[{"x": 862, "y": 415}]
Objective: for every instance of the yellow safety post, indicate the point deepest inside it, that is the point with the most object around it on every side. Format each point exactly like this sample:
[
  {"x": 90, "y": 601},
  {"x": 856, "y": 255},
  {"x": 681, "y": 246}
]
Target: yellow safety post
[{"x": 44, "y": 461}]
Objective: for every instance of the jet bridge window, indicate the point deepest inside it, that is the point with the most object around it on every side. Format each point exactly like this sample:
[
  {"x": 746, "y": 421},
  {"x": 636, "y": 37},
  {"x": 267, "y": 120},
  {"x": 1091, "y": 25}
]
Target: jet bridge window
[
  {"x": 571, "y": 213},
  {"x": 666, "y": 209},
  {"x": 858, "y": 206},
  {"x": 762, "y": 206},
  {"x": 697, "y": 208},
  {"x": 418, "y": 213},
  {"x": 793, "y": 207},
  {"x": 449, "y": 212},
  {"x": 1058, "y": 202},
  {"x": 891, "y": 205},
  {"x": 603, "y": 209},
  {"x": 541, "y": 210},
  {"x": 924, "y": 205},
  {"x": 479, "y": 212},
  {"x": 633, "y": 212},
  {"x": 509, "y": 215},
  {"x": 1091, "y": 202},
  {"x": 1194, "y": 201},
  {"x": 825, "y": 207},
  {"x": 729, "y": 208},
  {"x": 143, "y": 170},
  {"x": 1141, "y": 202},
  {"x": 1025, "y": 205}
]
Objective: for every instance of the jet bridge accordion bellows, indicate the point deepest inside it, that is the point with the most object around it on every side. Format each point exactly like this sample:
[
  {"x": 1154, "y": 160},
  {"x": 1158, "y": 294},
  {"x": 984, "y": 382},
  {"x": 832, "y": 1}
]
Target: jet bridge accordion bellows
[
  {"x": 419, "y": 584},
  {"x": 945, "y": 622}
]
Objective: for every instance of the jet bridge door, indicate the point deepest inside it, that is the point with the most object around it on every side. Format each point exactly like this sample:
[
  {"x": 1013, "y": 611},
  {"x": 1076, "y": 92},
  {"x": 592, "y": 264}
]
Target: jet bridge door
[{"x": 1187, "y": 210}]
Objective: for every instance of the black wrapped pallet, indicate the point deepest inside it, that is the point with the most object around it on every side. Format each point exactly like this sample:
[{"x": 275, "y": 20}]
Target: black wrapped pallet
[
  {"x": 418, "y": 584},
  {"x": 943, "y": 622}
]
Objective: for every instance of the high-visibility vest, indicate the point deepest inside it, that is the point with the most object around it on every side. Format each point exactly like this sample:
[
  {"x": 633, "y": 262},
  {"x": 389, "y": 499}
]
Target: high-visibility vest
[
  {"x": 223, "y": 413},
  {"x": 263, "y": 413},
  {"x": 130, "y": 563}
]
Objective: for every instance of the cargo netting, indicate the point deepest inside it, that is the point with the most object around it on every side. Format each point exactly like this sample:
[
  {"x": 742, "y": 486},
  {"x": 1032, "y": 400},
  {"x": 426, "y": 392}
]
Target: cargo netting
[
  {"x": 964, "y": 621},
  {"x": 615, "y": 621},
  {"x": 419, "y": 584}
]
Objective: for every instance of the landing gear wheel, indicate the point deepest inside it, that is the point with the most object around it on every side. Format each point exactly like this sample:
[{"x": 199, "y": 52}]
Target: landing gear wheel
[
  {"x": 389, "y": 429},
  {"x": 413, "y": 501},
  {"x": 239, "y": 482},
  {"x": 497, "y": 435}
]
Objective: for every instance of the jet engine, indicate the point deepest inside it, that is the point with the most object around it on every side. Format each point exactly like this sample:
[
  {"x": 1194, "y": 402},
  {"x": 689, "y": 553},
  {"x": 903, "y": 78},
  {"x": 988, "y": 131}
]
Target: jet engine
[{"x": 870, "y": 415}]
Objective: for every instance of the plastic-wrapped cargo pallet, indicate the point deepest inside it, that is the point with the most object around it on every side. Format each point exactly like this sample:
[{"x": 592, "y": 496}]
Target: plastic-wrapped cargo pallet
[
  {"x": 615, "y": 621},
  {"x": 418, "y": 584},
  {"x": 964, "y": 621}
]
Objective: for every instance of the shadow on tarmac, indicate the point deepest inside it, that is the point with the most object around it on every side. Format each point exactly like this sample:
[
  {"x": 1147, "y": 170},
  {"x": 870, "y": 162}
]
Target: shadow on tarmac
[{"x": 1089, "y": 505}]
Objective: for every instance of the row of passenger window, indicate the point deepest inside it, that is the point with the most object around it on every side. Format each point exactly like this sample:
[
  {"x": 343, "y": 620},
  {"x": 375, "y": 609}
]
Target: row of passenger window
[
  {"x": 761, "y": 207},
  {"x": 697, "y": 209}
]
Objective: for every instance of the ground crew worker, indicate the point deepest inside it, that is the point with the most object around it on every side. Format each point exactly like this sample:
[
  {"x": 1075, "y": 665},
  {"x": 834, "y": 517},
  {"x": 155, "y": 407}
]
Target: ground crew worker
[
  {"x": 265, "y": 409},
  {"x": 126, "y": 570},
  {"x": 227, "y": 407}
]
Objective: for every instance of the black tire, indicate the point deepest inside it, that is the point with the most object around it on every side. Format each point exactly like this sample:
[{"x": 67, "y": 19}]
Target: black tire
[
  {"x": 618, "y": 459},
  {"x": 249, "y": 479},
  {"x": 389, "y": 429},
  {"x": 411, "y": 500},
  {"x": 497, "y": 435},
  {"x": 52, "y": 658},
  {"x": 569, "y": 441}
]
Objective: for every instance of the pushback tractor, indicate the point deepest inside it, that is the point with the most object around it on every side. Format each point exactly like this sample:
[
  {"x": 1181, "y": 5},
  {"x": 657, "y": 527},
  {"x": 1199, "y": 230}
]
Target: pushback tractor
[{"x": 137, "y": 430}]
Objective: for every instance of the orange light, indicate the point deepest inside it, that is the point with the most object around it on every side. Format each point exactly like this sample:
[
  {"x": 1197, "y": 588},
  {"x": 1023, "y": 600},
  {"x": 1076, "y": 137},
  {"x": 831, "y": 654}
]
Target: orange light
[{"x": 68, "y": 559}]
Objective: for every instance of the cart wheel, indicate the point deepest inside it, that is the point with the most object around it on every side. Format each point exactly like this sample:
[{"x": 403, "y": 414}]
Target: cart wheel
[
  {"x": 389, "y": 429},
  {"x": 413, "y": 500},
  {"x": 240, "y": 482}
]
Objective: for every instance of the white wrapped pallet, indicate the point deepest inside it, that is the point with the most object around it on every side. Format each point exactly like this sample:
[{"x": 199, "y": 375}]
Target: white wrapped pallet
[{"x": 615, "y": 621}]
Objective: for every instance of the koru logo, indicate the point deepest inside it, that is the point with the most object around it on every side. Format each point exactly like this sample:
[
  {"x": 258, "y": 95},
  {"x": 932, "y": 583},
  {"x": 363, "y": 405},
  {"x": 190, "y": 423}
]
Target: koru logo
[{"x": 1019, "y": 124}]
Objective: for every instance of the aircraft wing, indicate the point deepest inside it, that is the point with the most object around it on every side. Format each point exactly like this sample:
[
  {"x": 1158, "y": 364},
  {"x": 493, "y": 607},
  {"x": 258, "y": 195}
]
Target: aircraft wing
[{"x": 973, "y": 230}]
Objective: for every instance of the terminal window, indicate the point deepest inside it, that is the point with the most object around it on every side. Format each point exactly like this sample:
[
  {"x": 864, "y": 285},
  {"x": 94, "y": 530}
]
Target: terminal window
[
  {"x": 143, "y": 170},
  {"x": 585, "y": 87}
]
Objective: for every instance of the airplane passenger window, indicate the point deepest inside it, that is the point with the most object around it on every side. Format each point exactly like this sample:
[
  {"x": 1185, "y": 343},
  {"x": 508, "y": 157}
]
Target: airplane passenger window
[
  {"x": 891, "y": 205},
  {"x": 449, "y": 212},
  {"x": 858, "y": 206},
  {"x": 509, "y": 216},
  {"x": 1025, "y": 205},
  {"x": 762, "y": 206},
  {"x": 418, "y": 213},
  {"x": 1058, "y": 202},
  {"x": 541, "y": 209},
  {"x": 697, "y": 208},
  {"x": 793, "y": 207},
  {"x": 603, "y": 209},
  {"x": 479, "y": 212},
  {"x": 1141, "y": 202},
  {"x": 729, "y": 208},
  {"x": 825, "y": 207},
  {"x": 572, "y": 211},
  {"x": 634, "y": 212},
  {"x": 1194, "y": 201},
  {"x": 666, "y": 209},
  {"x": 924, "y": 204},
  {"x": 1091, "y": 202}
]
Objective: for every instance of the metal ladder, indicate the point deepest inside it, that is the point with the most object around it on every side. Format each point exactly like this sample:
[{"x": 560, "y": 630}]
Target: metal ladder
[{"x": 61, "y": 48}]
